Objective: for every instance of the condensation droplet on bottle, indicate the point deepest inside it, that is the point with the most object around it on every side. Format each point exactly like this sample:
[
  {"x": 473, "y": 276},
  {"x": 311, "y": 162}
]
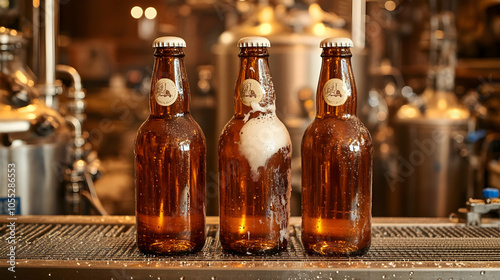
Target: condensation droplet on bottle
[{"x": 482, "y": 272}]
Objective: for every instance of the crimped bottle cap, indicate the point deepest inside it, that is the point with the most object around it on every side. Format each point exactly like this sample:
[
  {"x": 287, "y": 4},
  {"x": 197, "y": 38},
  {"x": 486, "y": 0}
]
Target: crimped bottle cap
[
  {"x": 253, "y": 41},
  {"x": 169, "y": 41},
  {"x": 333, "y": 42}
]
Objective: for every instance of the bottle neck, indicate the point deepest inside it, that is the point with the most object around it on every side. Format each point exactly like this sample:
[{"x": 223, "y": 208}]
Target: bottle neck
[
  {"x": 336, "y": 94},
  {"x": 170, "y": 91},
  {"x": 254, "y": 90}
]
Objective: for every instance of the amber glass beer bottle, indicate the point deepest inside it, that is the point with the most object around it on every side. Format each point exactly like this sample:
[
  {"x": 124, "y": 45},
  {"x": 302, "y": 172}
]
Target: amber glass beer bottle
[
  {"x": 170, "y": 153},
  {"x": 254, "y": 161},
  {"x": 337, "y": 154}
]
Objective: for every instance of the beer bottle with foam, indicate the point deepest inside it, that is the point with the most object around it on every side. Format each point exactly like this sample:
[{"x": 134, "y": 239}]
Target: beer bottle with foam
[{"x": 254, "y": 161}]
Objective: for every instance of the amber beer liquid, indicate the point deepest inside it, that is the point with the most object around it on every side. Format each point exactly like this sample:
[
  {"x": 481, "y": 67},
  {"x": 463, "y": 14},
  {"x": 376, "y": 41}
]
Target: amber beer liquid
[
  {"x": 337, "y": 154},
  {"x": 170, "y": 153},
  {"x": 254, "y": 161}
]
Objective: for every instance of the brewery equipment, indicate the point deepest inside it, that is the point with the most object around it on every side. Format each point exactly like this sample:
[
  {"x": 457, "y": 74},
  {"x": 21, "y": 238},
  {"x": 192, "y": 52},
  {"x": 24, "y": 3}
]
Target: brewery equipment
[
  {"x": 43, "y": 144},
  {"x": 430, "y": 134},
  {"x": 476, "y": 208}
]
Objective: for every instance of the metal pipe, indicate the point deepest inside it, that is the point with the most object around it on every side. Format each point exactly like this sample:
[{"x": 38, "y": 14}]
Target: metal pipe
[
  {"x": 47, "y": 83},
  {"x": 75, "y": 77},
  {"x": 48, "y": 43},
  {"x": 358, "y": 23}
]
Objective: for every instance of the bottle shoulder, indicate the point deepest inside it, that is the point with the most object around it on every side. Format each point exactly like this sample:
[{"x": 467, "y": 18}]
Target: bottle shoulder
[
  {"x": 175, "y": 129},
  {"x": 334, "y": 131}
]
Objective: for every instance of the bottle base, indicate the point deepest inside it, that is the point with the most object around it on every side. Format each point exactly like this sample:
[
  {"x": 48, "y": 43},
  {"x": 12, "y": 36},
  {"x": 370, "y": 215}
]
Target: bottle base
[
  {"x": 169, "y": 247},
  {"x": 335, "y": 248},
  {"x": 253, "y": 247}
]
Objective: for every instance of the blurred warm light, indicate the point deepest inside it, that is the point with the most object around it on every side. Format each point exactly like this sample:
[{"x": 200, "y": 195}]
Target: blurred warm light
[
  {"x": 21, "y": 77},
  {"x": 266, "y": 14},
  {"x": 439, "y": 34},
  {"x": 319, "y": 228},
  {"x": 408, "y": 112},
  {"x": 390, "y": 5},
  {"x": 266, "y": 28},
  {"x": 442, "y": 104},
  {"x": 226, "y": 38},
  {"x": 390, "y": 89},
  {"x": 243, "y": 6},
  {"x": 161, "y": 220},
  {"x": 136, "y": 12},
  {"x": 381, "y": 116},
  {"x": 150, "y": 13},
  {"x": 319, "y": 29},
  {"x": 242, "y": 227},
  {"x": 384, "y": 148},
  {"x": 309, "y": 104},
  {"x": 457, "y": 114},
  {"x": 315, "y": 11},
  {"x": 36, "y": 3},
  {"x": 29, "y": 108}
]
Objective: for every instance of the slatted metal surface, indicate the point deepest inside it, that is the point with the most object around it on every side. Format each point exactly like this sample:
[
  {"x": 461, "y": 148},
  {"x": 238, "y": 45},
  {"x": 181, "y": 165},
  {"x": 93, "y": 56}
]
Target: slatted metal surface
[{"x": 116, "y": 242}]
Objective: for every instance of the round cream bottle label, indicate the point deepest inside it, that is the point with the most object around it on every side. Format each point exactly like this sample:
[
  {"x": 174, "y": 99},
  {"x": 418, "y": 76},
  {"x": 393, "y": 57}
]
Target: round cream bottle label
[
  {"x": 165, "y": 92},
  {"x": 335, "y": 92},
  {"x": 250, "y": 91}
]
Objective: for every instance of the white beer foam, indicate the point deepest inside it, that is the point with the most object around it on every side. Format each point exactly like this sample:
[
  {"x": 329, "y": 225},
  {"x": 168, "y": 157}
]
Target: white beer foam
[{"x": 262, "y": 137}]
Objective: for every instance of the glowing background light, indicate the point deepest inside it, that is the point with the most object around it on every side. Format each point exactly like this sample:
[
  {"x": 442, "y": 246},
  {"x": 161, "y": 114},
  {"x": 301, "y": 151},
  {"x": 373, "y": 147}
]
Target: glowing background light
[
  {"x": 136, "y": 12},
  {"x": 150, "y": 13}
]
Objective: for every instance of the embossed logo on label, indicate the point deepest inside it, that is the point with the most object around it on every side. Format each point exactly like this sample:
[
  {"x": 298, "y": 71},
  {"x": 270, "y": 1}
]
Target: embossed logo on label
[
  {"x": 250, "y": 91},
  {"x": 165, "y": 92},
  {"x": 335, "y": 92}
]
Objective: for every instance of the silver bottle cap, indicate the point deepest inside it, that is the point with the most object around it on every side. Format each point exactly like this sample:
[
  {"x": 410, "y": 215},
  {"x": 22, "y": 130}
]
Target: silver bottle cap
[
  {"x": 169, "y": 41},
  {"x": 333, "y": 42},
  {"x": 253, "y": 41}
]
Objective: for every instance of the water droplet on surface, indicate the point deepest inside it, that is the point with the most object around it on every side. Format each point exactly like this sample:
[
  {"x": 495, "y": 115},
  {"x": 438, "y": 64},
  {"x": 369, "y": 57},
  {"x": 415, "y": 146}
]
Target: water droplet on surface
[
  {"x": 383, "y": 276},
  {"x": 482, "y": 272},
  {"x": 50, "y": 275},
  {"x": 182, "y": 278},
  {"x": 411, "y": 273}
]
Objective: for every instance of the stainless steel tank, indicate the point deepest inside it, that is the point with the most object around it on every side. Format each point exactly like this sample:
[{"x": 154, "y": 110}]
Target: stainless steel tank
[
  {"x": 295, "y": 64},
  {"x": 430, "y": 132},
  {"x": 432, "y": 167},
  {"x": 34, "y": 137}
]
